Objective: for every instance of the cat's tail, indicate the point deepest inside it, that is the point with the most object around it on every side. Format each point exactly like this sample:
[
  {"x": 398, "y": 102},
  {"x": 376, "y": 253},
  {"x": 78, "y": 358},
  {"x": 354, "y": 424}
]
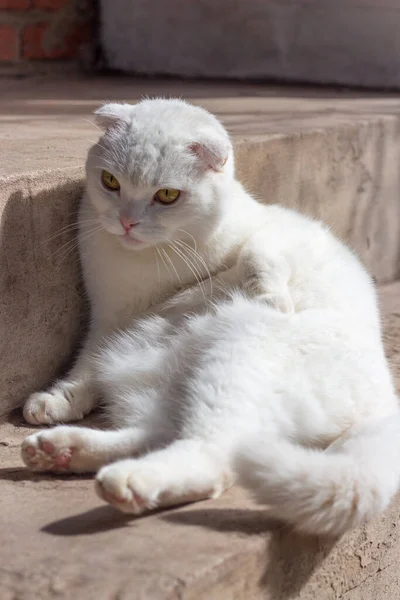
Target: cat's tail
[{"x": 325, "y": 492}]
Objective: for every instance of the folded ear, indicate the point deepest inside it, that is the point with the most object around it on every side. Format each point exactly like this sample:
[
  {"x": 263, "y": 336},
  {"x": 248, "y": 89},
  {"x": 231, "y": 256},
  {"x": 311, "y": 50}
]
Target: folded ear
[
  {"x": 212, "y": 151},
  {"x": 110, "y": 115}
]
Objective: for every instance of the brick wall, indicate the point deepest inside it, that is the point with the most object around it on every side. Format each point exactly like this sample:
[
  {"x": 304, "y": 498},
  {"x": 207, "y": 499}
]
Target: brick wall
[{"x": 45, "y": 29}]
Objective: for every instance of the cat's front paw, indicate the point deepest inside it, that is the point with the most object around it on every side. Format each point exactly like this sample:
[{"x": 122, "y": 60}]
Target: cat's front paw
[
  {"x": 252, "y": 284},
  {"x": 61, "y": 404},
  {"x": 45, "y": 408},
  {"x": 128, "y": 487},
  {"x": 279, "y": 301},
  {"x": 59, "y": 450}
]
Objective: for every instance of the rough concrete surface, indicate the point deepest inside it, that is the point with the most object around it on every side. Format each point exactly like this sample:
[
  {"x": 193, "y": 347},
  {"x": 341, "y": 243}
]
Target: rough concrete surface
[
  {"x": 351, "y": 42},
  {"x": 46, "y": 121},
  {"x": 329, "y": 154},
  {"x": 59, "y": 541},
  {"x": 41, "y": 296}
]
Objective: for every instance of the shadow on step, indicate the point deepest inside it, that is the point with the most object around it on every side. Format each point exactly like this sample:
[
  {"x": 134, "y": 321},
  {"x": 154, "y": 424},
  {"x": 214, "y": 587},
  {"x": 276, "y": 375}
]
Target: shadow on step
[
  {"x": 249, "y": 522},
  {"x": 42, "y": 309},
  {"x": 96, "y": 520},
  {"x": 24, "y": 474},
  {"x": 289, "y": 559}
]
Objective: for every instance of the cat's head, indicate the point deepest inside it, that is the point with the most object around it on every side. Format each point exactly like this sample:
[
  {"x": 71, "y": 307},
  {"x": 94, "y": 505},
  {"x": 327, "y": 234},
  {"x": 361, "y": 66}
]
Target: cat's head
[{"x": 162, "y": 167}]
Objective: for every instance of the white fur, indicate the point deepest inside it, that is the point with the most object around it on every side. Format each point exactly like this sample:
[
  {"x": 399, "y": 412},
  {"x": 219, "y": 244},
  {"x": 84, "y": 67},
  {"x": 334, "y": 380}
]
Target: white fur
[{"x": 226, "y": 337}]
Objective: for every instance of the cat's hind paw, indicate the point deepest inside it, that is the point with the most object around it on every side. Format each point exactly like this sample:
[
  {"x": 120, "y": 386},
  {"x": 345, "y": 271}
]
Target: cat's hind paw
[
  {"x": 127, "y": 488},
  {"x": 63, "y": 449}
]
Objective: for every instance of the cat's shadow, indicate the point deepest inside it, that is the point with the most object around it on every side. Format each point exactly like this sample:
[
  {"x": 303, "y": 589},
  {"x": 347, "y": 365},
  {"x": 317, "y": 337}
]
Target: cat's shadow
[
  {"x": 287, "y": 560},
  {"x": 244, "y": 521},
  {"x": 24, "y": 474},
  {"x": 95, "y": 520}
]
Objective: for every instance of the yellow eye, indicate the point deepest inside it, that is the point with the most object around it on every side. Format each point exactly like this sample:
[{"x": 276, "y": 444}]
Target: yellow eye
[
  {"x": 167, "y": 195},
  {"x": 110, "y": 181}
]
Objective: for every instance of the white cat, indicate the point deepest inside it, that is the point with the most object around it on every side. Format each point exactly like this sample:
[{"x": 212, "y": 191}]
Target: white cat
[{"x": 226, "y": 337}]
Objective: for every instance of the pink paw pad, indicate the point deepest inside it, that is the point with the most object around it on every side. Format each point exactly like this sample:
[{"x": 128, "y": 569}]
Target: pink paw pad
[
  {"x": 31, "y": 451},
  {"x": 62, "y": 460},
  {"x": 47, "y": 447},
  {"x": 111, "y": 498},
  {"x": 114, "y": 499},
  {"x": 138, "y": 500}
]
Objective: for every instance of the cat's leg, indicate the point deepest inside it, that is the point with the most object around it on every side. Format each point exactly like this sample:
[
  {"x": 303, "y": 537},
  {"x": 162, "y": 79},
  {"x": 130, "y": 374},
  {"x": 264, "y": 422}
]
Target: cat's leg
[
  {"x": 186, "y": 471},
  {"x": 213, "y": 401},
  {"x": 68, "y": 449},
  {"x": 265, "y": 275},
  {"x": 69, "y": 399}
]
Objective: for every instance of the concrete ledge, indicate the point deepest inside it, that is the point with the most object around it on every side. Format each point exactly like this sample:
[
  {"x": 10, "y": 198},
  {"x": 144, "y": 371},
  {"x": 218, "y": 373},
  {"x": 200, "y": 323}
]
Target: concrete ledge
[
  {"x": 346, "y": 174},
  {"x": 41, "y": 299}
]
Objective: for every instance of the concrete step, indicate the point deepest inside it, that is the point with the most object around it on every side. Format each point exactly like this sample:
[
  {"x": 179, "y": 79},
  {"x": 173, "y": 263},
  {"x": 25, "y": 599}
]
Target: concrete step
[{"x": 327, "y": 153}]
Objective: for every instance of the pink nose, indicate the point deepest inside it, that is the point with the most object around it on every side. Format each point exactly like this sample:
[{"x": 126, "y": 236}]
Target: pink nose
[{"x": 127, "y": 223}]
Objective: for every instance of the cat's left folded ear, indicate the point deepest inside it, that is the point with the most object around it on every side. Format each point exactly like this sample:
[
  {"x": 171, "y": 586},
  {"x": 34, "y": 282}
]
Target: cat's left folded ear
[{"x": 213, "y": 151}]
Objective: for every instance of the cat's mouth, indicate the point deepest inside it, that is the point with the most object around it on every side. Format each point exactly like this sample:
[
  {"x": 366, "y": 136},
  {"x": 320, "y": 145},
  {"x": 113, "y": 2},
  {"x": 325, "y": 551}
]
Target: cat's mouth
[{"x": 130, "y": 242}]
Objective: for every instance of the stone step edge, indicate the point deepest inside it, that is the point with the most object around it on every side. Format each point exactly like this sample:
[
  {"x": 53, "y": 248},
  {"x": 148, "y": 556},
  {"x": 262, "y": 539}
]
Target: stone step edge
[{"x": 346, "y": 175}]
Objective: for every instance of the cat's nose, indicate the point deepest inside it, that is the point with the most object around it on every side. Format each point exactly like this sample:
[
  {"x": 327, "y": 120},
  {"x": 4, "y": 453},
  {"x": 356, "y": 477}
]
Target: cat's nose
[{"x": 128, "y": 223}]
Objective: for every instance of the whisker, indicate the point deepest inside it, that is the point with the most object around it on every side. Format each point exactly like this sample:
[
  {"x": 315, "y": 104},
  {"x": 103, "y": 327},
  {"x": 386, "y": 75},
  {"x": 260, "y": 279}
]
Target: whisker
[
  {"x": 196, "y": 256},
  {"x": 66, "y": 229},
  {"x": 193, "y": 258},
  {"x": 75, "y": 245},
  {"x": 56, "y": 235},
  {"x": 94, "y": 124},
  {"x": 77, "y": 238},
  {"x": 61, "y": 259},
  {"x": 97, "y": 143},
  {"x": 180, "y": 253},
  {"x": 190, "y": 235},
  {"x": 165, "y": 264},
  {"x": 194, "y": 250},
  {"x": 66, "y": 245},
  {"x": 110, "y": 152},
  {"x": 173, "y": 266},
  {"x": 158, "y": 268}
]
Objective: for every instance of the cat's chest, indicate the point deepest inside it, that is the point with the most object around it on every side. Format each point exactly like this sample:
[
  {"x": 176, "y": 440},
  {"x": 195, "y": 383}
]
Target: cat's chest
[
  {"x": 120, "y": 286},
  {"x": 124, "y": 284}
]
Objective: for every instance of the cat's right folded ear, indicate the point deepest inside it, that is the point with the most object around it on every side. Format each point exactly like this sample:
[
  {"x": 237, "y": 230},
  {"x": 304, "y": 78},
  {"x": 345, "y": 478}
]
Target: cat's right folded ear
[{"x": 112, "y": 114}]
